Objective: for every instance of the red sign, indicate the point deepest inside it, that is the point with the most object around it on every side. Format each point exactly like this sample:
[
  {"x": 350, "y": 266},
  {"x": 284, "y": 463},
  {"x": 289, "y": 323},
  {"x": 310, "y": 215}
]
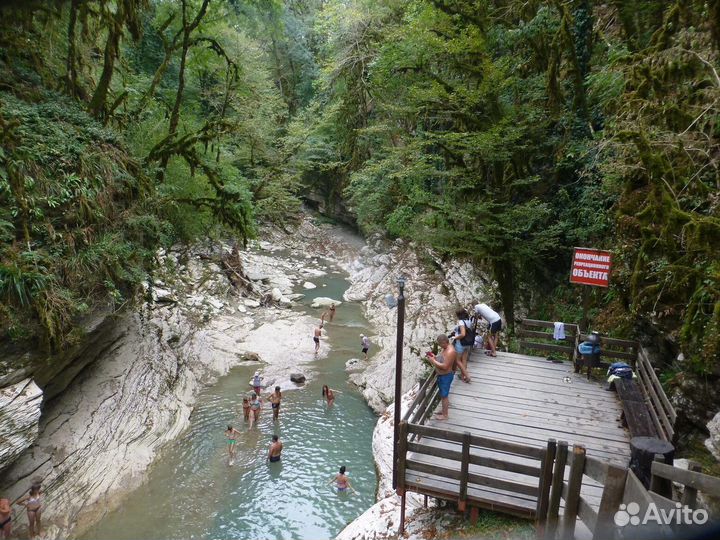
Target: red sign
[{"x": 591, "y": 267}]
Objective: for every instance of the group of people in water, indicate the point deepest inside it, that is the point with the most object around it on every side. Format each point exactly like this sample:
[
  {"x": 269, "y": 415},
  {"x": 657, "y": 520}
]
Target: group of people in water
[
  {"x": 252, "y": 406},
  {"x": 32, "y": 501}
]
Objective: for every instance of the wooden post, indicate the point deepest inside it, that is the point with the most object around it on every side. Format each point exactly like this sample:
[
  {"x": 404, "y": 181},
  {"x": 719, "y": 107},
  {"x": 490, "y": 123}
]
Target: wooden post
[
  {"x": 464, "y": 470},
  {"x": 610, "y": 502},
  {"x": 556, "y": 491},
  {"x": 402, "y": 457},
  {"x": 544, "y": 487},
  {"x": 659, "y": 485},
  {"x": 474, "y": 514},
  {"x": 567, "y": 532},
  {"x": 689, "y": 496},
  {"x": 425, "y": 501},
  {"x": 642, "y": 455},
  {"x": 401, "y": 529}
]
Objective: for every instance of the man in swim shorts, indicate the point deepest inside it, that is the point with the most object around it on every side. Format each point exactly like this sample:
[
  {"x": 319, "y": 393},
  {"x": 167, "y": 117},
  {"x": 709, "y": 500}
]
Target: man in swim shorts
[
  {"x": 275, "y": 399},
  {"x": 316, "y": 338},
  {"x": 275, "y": 450},
  {"x": 365, "y": 342},
  {"x": 443, "y": 364}
]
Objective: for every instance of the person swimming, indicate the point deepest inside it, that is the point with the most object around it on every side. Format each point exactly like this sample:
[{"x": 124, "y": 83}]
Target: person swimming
[
  {"x": 276, "y": 447},
  {"x": 231, "y": 436},
  {"x": 275, "y": 399},
  {"x": 342, "y": 482},
  {"x": 329, "y": 394}
]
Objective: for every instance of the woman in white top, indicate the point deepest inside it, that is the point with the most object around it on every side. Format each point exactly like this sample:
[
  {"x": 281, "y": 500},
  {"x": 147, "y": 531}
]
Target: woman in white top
[
  {"x": 463, "y": 342},
  {"x": 495, "y": 322}
]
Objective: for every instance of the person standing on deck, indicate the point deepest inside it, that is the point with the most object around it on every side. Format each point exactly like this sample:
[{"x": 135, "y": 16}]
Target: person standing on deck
[
  {"x": 462, "y": 341},
  {"x": 443, "y": 363},
  {"x": 275, "y": 449},
  {"x": 495, "y": 322}
]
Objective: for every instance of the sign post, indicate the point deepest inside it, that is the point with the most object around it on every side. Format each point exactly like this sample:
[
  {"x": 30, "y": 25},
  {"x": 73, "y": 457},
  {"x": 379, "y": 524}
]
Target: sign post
[{"x": 590, "y": 267}]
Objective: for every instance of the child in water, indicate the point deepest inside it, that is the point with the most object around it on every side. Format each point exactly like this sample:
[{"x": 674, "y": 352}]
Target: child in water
[{"x": 246, "y": 408}]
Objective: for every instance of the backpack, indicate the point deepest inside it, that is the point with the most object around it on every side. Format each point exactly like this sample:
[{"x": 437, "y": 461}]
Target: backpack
[
  {"x": 621, "y": 369},
  {"x": 469, "y": 339}
]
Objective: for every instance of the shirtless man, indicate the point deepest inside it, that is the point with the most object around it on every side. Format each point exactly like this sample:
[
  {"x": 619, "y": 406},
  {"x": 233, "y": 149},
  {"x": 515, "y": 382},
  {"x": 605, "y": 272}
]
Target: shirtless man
[
  {"x": 275, "y": 450},
  {"x": 331, "y": 312},
  {"x": 443, "y": 363},
  {"x": 275, "y": 399},
  {"x": 316, "y": 338}
]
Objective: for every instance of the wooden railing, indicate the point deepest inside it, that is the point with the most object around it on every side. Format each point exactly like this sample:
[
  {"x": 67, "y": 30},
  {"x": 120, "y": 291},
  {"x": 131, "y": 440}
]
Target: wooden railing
[
  {"x": 661, "y": 410},
  {"x": 534, "y": 335},
  {"x": 619, "y": 349}
]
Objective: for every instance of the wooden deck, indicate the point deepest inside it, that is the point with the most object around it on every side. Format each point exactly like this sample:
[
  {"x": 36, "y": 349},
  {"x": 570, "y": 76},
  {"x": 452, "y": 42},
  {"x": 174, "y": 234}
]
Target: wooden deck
[{"x": 524, "y": 400}]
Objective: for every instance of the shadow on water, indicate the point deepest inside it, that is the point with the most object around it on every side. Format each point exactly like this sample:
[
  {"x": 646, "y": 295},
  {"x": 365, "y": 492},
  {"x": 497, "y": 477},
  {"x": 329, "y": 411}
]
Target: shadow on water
[{"x": 191, "y": 491}]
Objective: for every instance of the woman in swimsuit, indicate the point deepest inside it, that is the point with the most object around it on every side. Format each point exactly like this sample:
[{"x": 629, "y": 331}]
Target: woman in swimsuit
[
  {"x": 342, "y": 482},
  {"x": 329, "y": 395},
  {"x": 5, "y": 518},
  {"x": 33, "y": 504},
  {"x": 275, "y": 399},
  {"x": 255, "y": 406},
  {"x": 231, "y": 435},
  {"x": 246, "y": 408}
]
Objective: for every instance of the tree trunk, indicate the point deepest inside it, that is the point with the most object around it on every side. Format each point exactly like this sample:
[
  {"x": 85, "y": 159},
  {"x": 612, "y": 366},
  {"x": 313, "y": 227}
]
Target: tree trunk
[
  {"x": 71, "y": 68},
  {"x": 97, "y": 104}
]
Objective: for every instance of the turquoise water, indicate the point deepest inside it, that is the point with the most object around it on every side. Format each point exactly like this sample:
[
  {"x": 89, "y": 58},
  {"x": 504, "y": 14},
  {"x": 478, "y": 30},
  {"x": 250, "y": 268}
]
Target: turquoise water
[{"x": 191, "y": 491}]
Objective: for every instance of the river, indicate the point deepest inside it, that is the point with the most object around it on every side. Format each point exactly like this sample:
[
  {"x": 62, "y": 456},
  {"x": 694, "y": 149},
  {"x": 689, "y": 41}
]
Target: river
[{"x": 192, "y": 492}]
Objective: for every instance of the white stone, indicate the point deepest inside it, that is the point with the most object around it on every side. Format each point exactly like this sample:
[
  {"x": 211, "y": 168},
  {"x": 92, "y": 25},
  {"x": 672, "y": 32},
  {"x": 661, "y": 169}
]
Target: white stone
[
  {"x": 276, "y": 294},
  {"x": 249, "y": 302},
  {"x": 713, "y": 442},
  {"x": 163, "y": 295},
  {"x": 308, "y": 285},
  {"x": 217, "y": 304},
  {"x": 324, "y": 301}
]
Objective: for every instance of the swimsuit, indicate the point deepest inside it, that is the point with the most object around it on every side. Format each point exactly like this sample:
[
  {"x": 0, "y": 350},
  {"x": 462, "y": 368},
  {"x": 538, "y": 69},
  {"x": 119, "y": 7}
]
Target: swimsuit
[
  {"x": 231, "y": 441},
  {"x": 316, "y": 339},
  {"x": 2, "y": 525},
  {"x": 275, "y": 405},
  {"x": 274, "y": 459}
]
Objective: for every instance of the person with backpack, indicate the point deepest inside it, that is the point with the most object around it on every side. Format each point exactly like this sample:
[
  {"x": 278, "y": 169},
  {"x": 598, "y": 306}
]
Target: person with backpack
[{"x": 463, "y": 341}]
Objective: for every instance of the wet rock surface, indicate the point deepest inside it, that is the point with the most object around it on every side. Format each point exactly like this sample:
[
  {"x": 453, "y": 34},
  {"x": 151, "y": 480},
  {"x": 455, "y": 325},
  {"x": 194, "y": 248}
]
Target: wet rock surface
[{"x": 19, "y": 416}]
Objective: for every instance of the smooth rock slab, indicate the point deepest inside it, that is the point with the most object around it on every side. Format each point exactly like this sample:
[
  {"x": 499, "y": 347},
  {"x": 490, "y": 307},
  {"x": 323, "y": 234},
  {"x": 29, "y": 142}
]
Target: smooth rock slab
[
  {"x": 713, "y": 442},
  {"x": 19, "y": 417},
  {"x": 324, "y": 301},
  {"x": 309, "y": 285}
]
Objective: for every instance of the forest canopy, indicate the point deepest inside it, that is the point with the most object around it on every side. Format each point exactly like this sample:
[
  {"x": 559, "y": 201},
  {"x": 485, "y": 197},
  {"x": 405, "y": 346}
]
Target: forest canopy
[{"x": 505, "y": 132}]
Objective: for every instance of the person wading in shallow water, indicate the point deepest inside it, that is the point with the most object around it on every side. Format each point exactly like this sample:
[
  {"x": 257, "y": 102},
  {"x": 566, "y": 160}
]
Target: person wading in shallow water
[
  {"x": 255, "y": 406},
  {"x": 231, "y": 435},
  {"x": 316, "y": 338},
  {"x": 342, "y": 482},
  {"x": 275, "y": 399},
  {"x": 246, "y": 408},
  {"x": 365, "y": 342},
  {"x": 329, "y": 394},
  {"x": 331, "y": 312},
  {"x": 5, "y": 518},
  {"x": 275, "y": 450},
  {"x": 443, "y": 363},
  {"x": 33, "y": 504}
]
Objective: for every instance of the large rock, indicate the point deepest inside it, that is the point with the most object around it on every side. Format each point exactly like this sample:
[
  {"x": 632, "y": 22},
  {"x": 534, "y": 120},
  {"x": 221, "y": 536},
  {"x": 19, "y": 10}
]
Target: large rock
[
  {"x": 19, "y": 417},
  {"x": 297, "y": 378},
  {"x": 713, "y": 442},
  {"x": 309, "y": 285},
  {"x": 324, "y": 301}
]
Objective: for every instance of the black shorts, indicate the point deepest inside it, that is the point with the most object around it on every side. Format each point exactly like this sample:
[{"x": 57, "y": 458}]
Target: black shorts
[
  {"x": 316, "y": 339},
  {"x": 496, "y": 327},
  {"x": 365, "y": 350}
]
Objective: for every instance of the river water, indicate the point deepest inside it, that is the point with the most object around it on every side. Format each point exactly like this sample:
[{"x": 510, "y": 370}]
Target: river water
[{"x": 192, "y": 492}]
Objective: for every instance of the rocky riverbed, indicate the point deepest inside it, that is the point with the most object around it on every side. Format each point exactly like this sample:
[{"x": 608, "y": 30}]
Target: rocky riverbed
[{"x": 131, "y": 393}]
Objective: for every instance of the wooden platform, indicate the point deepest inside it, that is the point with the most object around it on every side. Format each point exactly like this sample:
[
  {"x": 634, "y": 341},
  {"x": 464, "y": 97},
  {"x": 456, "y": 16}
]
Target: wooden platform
[{"x": 524, "y": 400}]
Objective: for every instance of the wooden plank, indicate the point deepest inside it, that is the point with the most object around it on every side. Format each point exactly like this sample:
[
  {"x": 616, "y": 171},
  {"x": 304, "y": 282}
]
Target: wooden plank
[
  {"x": 610, "y": 502},
  {"x": 434, "y": 451},
  {"x": 556, "y": 489},
  {"x": 587, "y": 514},
  {"x": 569, "y": 341},
  {"x": 545, "y": 346},
  {"x": 544, "y": 486},
  {"x": 420, "y": 394},
  {"x": 424, "y": 402},
  {"x": 626, "y": 343},
  {"x": 505, "y": 485},
  {"x": 572, "y": 493},
  {"x": 596, "y": 469},
  {"x": 689, "y": 496},
  {"x": 667, "y": 428},
  {"x": 529, "y": 383},
  {"x": 620, "y": 355},
  {"x": 464, "y": 466},
  {"x": 569, "y": 327},
  {"x": 413, "y": 465},
  {"x": 697, "y": 480},
  {"x": 669, "y": 409}
]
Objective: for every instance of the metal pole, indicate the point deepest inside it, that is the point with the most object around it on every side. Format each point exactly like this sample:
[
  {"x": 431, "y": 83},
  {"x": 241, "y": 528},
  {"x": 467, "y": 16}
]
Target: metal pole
[{"x": 398, "y": 373}]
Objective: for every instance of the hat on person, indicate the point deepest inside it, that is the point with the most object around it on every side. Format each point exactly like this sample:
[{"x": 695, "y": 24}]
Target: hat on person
[
  {"x": 4, "y": 506},
  {"x": 362, "y": 335},
  {"x": 257, "y": 373}
]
